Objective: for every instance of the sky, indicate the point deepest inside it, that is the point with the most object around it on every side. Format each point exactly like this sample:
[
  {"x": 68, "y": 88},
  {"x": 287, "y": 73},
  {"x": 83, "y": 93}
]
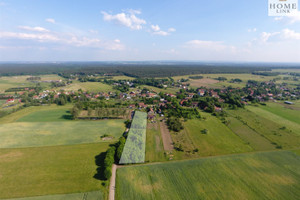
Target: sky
[{"x": 106, "y": 30}]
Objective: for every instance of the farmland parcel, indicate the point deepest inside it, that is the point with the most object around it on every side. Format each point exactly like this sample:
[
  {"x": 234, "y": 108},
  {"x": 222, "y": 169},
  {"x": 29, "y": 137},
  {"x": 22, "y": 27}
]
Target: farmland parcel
[
  {"x": 134, "y": 150},
  {"x": 271, "y": 175}
]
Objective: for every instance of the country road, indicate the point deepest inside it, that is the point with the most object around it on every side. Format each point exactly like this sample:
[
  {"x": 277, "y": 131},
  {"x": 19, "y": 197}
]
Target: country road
[{"x": 112, "y": 185}]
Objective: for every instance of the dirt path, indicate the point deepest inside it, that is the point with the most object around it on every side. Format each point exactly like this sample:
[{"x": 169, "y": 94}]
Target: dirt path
[
  {"x": 112, "y": 185},
  {"x": 166, "y": 136}
]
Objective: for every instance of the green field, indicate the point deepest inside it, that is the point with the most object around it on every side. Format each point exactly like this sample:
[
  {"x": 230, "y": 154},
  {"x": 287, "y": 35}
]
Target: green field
[
  {"x": 88, "y": 86},
  {"x": 272, "y": 175},
  {"x": 38, "y": 114},
  {"x": 269, "y": 126},
  {"x": 282, "y": 116},
  {"x": 51, "y": 115},
  {"x": 288, "y": 112},
  {"x": 154, "y": 144},
  {"x": 221, "y": 84},
  {"x": 158, "y": 90},
  {"x": 31, "y": 134},
  {"x": 255, "y": 140},
  {"x": 27, "y": 172},
  {"x": 219, "y": 139},
  {"x": 51, "y": 125},
  {"x": 7, "y": 82},
  {"x": 95, "y": 195}
]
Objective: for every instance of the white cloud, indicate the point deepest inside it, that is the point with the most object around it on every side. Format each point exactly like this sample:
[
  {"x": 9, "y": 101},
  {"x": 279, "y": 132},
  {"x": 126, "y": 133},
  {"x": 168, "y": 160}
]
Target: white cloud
[
  {"x": 156, "y": 30},
  {"x": 162, "y": 33},
  {"x": 209, "y": 45},
  {"x": 290, "y": 34},
  {"x": 41, "y": 37},
  {"x": 264, "y": 37},
  {"x": 289, "y": 19},
  {"x": 155, "y": 27},
  {"x": 285, "y": 34},
  {"x": 35, "y": 29},
  {"x": 50, "y": 20},
  {"x": 252, "y": 30},
  {"x": 128, "y": 19},
  {"x": 64, "y": 39}
]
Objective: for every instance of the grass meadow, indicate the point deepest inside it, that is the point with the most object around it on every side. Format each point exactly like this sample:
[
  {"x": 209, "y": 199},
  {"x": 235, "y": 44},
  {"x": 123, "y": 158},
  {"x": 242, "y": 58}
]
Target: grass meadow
[
  {"x": 39, "y": 114},
  {"x": 51, "y": 125},
  {"x": 88, "y": 86},
  {"x": 287, "y": 112},
  {"x": 95, "y": 195},
  {"x": 26, "y": 172},
  {"x": 211, "y": 83},
  {"x": 270, "y": 126},
  {"x": 154, "y": 144},
  {"x": 52, "y": 115},
  {"x": 269, "y": 175},
  {"x": 251, "y": 137},
  {"x": 2, "y": 102},
  {"x": 32, "y": 134},
  {"x": 7, "y": 82},
  {"x": 218, "y": 141}
]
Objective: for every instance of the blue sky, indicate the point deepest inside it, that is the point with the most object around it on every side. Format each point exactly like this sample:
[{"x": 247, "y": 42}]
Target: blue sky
[{"x": 196, "y": 30}]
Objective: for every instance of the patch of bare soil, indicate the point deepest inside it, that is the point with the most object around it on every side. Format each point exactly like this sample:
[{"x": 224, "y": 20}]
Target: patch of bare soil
[
  {"x": 292, "y": 107},
  {"x": 166, "y": 137},
  {"x": 107, "y": 138},
  {"x": 10, "y": 156},
  {"x": 205, "y": 82}
]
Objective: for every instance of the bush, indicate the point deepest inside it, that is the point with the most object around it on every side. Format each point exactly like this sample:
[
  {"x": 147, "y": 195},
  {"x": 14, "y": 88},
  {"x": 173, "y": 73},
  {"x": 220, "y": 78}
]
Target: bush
[{"x": 107, "y": 172}]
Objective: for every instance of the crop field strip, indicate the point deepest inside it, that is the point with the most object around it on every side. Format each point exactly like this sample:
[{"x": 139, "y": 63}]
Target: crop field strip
[
  {"x": 267, "y": 127},
  {"x": 154, "y": 143},
  {"x": 135, "y": 146},
  {"x": 279, "y": 114},
  {"x": 268, "y": 175},
  {"x": 31, "y": 134},
  {"x": 95, "y": 195}
]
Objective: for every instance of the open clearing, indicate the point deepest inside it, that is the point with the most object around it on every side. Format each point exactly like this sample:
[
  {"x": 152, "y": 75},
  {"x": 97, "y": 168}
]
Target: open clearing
[
  {"x": 286, "y": 118},
  {"x": 95, "y": 195},
  {"x": 27, "y": 172},
  {"x": 205, "y": 82},
  {"x": 210, "y": 82},
  {"x": 218, "y": 141},
  {"x": 154, "y": 143},
  {"x": 88, "y": 86},
  {"x": 7, "y": 82},
  {"x": 31, "y": 134},
  {"x": 288, "y": 112},
  {"x": 255, "y": 140},
  {"x": 272, "y": 175},
  {"x": 51, "y": 115},
  {"x": 269, "y": 126},
  {"x": 38, "y": 114}
]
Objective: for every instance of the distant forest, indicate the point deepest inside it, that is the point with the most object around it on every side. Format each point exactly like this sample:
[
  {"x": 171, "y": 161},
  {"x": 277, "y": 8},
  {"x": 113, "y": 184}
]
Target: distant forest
[{"x": 134, "y": 70}]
